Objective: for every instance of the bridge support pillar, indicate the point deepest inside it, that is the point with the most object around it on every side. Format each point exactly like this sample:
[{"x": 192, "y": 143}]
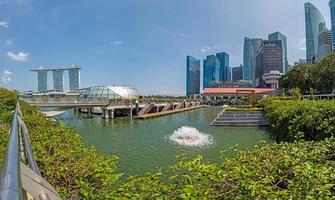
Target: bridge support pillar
[
  {"x": 110, "y": 113},
  {"x": 105, "y": 113}
]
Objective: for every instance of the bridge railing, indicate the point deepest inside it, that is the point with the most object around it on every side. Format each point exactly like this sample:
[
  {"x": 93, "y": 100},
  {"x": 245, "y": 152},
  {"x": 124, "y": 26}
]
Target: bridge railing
[{"x": 18, "y": 181}]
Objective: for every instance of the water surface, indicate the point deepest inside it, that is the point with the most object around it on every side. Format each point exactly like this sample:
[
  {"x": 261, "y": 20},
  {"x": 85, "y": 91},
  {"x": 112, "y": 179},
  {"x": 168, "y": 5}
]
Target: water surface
[{"x": 145, "y": 145}]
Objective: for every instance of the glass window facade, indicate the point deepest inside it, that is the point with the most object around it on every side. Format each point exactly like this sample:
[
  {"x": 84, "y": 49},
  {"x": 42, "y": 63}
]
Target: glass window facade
[
  {"x": 332, "y": 14},
  {"x": 237, "y": 73},
  {"x": 211, "y": 70},
  {"x": 74, "y": 79},
  {"x": 110, "y": 92},
  {"x": 192, "y": 76},
  {"x": 269, "y": 58},
  {"x": 283, "y": 39},
  {"x": 58, "y": 79},
  {"x": 42, "y": 78},
  {"x": 313, "y": 21},
  {"x": 224, "y": 66},
  {"x": 251, "y": 46}
]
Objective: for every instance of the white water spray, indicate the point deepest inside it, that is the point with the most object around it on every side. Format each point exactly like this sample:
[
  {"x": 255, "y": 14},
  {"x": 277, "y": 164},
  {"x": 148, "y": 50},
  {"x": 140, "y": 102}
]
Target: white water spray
[{"x": 190, "y": 136}]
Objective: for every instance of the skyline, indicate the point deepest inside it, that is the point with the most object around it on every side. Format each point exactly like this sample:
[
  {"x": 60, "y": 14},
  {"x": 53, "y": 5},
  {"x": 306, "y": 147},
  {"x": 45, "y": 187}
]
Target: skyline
[{"x": 124, "y": 41}]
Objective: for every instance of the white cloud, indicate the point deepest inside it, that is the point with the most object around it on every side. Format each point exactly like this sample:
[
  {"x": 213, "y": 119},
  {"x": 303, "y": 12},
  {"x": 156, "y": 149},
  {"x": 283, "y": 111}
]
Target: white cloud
[
  {"x": 4, "y": 24},
  {"x": 207, "y": 49},
  {"x": 8, "y": 42},
  {"x": 302, "y": 44},
  {"x": 117, "y": 42},
  {"x": 6, "y": 76},
  {"x": 21, "y": 56}
]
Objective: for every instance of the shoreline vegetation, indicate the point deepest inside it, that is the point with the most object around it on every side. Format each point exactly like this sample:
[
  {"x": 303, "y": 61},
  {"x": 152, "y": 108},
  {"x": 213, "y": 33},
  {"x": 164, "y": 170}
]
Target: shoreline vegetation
[{"x": 299, "y": 166}]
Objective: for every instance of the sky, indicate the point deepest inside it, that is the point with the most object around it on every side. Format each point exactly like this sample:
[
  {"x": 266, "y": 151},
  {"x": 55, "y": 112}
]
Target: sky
[{"x": 138, "y": 43}]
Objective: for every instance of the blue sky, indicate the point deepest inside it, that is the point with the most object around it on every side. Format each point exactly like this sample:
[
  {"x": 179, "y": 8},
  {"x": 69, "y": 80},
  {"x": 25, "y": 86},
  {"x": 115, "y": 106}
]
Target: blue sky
[{"x": 140, "y": 43}]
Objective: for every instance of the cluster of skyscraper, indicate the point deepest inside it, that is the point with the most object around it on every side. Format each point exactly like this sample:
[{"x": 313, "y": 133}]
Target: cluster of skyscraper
[
  {"x": 319, "y": 40},
  {"x": 58, "y": 78},
  {"x": 216, "y": 70},
  {"x": 263, "y": 56}
]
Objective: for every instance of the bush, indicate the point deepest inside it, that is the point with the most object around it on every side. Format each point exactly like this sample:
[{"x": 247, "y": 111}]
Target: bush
[{"x": 295, "y": 120}]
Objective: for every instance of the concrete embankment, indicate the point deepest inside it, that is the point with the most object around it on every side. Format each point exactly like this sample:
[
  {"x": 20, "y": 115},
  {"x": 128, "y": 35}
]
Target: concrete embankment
[
  {"x": 169, "y": 112},
  {"x": 254, "y": 118}
]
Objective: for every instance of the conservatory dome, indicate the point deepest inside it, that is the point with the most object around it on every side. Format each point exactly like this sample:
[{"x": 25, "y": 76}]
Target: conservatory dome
[{"x": 110, "y": 92}]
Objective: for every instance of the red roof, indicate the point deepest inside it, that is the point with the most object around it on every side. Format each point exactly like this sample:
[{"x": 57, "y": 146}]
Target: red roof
[{"x": 233, "y": 90}]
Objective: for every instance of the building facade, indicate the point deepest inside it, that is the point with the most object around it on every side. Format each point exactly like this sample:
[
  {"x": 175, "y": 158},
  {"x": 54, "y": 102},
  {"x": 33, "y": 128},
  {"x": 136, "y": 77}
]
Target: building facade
[
  {"x": 42, "y": 79},
  {"x": 315, "y": 24},
  {"x": 269, "y": 58},
  {"x": 325, "y": 44},
  {"x": 58, "y": 78},
  {"x": 251, "y": 46},
  {"x": 279, "y": 36},
  {"x": 192, "y": 76},
  {"x": 237, "y": 73},
  {"x": 211, "y": 70},
  {"x": 332, "y": 14},
  {"x": 74, "y": 78},
  {"x": 224, "y": 66}
]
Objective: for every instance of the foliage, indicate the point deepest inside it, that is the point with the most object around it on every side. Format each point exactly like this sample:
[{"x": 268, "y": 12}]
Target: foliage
[
  {"x": 303, "y": 170},
  {"x": 298, "y": 170},
  {"x": 3, "y": 144},
  {"x": 242, "y": 109},
  {"x": 294, "y": 120},
  {"x": 320, "y": 76}
]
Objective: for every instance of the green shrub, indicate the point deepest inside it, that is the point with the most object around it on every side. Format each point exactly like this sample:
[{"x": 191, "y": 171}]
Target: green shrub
[{"x": 295, "y": 120}]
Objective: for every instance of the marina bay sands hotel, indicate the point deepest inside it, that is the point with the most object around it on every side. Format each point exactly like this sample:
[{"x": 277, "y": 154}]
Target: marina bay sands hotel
[{"x": 58, "y": 78}]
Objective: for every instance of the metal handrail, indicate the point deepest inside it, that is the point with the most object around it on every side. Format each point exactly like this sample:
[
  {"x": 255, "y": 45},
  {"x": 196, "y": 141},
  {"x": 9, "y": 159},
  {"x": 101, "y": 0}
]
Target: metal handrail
[
  {"x": 17, "y": 179},
  {"x": 10, "y": 181}
]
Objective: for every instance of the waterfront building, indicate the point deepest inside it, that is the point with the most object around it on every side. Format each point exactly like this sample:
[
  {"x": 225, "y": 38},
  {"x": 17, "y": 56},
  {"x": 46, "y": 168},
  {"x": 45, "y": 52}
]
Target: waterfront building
[
  {"x": 269, "y": 58},
  {"x": 251, "y": 46},
  {"x": 324, "y": 44},
  {"x": 237, "y": 73},
  {"x": 279, "y": 36},
  {"x": 231, "y": 84},
  {"x": 332, "y": 14},
  {"x": 315, "y": 24},
  {"x": 223, "y": 58},
  {"x": 110, "y": 92},
  {"x": 58, "y": 78},
  {"x": 211, "y": 70},
  {"x": 42, "y": 78},
  {"x": 74, "y": 78},
  {"x": 272, "y": 79},
  {"x": 192, "y": 76}
]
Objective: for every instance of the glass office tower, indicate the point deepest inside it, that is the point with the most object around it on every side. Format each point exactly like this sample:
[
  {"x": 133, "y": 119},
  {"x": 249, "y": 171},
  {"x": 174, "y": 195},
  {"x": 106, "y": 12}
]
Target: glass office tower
[
  {"x": 223, "y": 58},
  {"x": 211, "y": 70},
  {"x": 42, "y": 78},
  {"x": 279, "y": 36},
  {"x": 192, "y": 76},
  {"x": 313, "y": 21},
  {"x": 58, "y": 79},
  {"x": 251, "y": 46},
  {"x": 332, "y": 14},
  {"x": 74, "y": 78},
  {"x": 325, "y": 44},
  {"x": 269, "y": 58},
  {"x": 237, "y": 73}
]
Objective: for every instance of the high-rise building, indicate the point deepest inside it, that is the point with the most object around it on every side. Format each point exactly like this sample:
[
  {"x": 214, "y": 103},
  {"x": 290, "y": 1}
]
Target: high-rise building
[
  {"x": 315, "y": 24},
  {"x": 58, "y": 78},
  {"x": 211, "y": 70},
  {"x": 332, "y": 14},
  {"x": 251, "y": 46},
  {"x": 229, "y": 76},
  {"x": 325, "y": 44},
  {"x": 192, "y": 76},
  {"x": 224, "y": 66},
  {"x": 237, "y": 73},
  {"x": 269, "y": 58},
  {"x": 279, "y": 36},
  {"x": 42, "y": 78},
  {"x": 74, "y": 78}
]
